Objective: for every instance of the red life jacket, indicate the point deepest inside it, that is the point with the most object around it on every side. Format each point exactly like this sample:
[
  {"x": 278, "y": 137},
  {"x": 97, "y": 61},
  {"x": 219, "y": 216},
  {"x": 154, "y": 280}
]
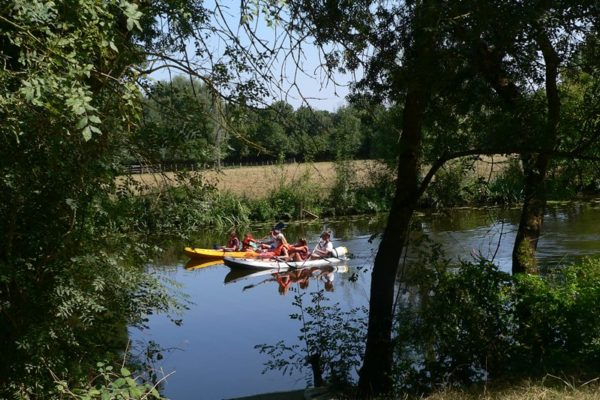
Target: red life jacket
[{"x": 278, "y": 249}]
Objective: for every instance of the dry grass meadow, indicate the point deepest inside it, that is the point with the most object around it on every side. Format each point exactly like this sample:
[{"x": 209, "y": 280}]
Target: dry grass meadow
[{"x": 257, "y": 181}]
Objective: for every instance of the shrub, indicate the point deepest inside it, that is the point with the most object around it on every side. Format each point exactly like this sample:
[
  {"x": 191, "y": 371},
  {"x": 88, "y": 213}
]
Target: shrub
[
  {"x": 332, "y": 342},
  {"x": 507, "y": 187},
  {"x": 472, "y": 323},
  {"x": 367, "y": 196}
]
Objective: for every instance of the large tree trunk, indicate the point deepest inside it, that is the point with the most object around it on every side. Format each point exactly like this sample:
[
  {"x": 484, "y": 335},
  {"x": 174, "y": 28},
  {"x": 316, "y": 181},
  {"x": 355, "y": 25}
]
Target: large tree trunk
[
  {"x": 535, "y": 167},
  {"x": 488, "y": 61},
  {"x": 375, "y": 374},
  {"x": 532, "y": 214}
]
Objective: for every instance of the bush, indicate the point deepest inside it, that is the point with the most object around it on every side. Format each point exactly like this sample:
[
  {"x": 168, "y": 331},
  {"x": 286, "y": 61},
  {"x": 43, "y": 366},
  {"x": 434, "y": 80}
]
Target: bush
[
  {"x": 372, "y": 195},
  {"x": 507, "y": 188},
  {"x": 332, "y": 342},
  {"x": 474, "y": 323}
]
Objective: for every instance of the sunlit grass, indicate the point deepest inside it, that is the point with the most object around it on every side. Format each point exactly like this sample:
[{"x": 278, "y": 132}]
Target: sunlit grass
[{"x": 551, "y": 388}]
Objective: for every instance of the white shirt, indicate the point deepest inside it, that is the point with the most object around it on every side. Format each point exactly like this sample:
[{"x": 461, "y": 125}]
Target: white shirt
[{"x": 325, "y": 247}]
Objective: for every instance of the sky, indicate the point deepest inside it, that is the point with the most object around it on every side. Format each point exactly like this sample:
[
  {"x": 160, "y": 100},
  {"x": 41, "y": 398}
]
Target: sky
[{"x": 311, "y": 85}]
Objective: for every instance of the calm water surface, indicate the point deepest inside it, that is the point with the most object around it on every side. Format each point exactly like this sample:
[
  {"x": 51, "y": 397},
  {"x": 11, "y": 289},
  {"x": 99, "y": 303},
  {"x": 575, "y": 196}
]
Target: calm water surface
[{"x": 212, "y": 355}]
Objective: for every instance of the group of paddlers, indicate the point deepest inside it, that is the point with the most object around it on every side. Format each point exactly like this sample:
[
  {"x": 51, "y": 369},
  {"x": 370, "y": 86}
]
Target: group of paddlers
[{"x": 276, "y": 245}]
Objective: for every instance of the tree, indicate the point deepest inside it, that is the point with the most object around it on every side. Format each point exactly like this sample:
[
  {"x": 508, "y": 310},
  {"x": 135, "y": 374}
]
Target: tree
[
  {"x": 347, "y": 133},
  {"x": 470, "y": 58},
  {"x": 70, "y": 75},
  {"x": 535, "y": 45},
  {"x": 178, "y": 122}
]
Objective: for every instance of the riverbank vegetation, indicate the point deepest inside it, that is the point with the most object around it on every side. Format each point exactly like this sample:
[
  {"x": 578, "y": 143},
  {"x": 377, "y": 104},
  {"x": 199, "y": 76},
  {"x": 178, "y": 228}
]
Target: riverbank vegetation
[
  {"x": 444, "y": 84},
  {"x": 465, "y": 330},
  {"x": 179, "y": 203}
]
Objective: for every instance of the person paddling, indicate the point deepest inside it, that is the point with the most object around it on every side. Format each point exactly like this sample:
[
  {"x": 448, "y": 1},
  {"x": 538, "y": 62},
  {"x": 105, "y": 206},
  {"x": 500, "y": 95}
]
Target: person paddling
[
  {"x": 324, "y": 247},
  {"x": 277, "y": 244}
]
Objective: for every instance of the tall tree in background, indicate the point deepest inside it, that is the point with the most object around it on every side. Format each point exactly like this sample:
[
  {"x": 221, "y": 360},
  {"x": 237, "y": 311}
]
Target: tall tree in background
[{"x": 178, "y": 120}]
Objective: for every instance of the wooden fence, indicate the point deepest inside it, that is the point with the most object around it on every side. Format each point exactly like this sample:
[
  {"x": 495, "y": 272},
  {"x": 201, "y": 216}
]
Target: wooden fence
[{"x": 195, "y": 166}]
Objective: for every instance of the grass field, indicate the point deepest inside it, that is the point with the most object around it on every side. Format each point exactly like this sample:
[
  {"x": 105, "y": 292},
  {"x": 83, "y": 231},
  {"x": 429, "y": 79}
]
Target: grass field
[{"x": 257, "y": 181}]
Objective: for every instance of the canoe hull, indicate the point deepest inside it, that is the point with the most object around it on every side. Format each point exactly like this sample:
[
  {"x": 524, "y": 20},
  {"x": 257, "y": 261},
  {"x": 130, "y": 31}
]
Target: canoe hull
[
  {"x": 212, "y": 254},
  {"x": 279, "y": 265}
]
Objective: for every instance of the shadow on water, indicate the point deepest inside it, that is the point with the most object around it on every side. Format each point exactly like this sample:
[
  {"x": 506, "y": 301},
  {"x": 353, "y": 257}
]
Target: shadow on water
[{"x": 232, "y": 311}]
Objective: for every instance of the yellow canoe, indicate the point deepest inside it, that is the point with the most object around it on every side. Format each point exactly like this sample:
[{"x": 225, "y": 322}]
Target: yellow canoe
[{"x": 212, "y": 254}]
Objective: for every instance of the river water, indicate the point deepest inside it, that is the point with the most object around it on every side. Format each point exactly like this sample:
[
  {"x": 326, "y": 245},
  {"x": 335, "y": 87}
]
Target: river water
[{"x": 212, "y": 355}]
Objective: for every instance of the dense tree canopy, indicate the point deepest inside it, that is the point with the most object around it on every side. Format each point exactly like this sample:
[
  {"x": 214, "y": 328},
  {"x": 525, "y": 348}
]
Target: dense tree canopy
[
  {"x": 70, "y": 78},
  {"x": 465, "y": 74}
]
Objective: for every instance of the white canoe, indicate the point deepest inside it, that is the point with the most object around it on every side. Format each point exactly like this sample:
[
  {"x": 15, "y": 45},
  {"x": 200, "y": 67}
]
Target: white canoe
[{"x": 280, "y": 265}]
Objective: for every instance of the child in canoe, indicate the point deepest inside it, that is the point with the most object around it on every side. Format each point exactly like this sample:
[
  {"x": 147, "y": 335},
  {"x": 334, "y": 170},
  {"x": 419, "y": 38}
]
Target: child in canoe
[
  {"x": 233, "y": 243},
  {"x": 324, "y": 247},
  {"x": 249, "y": 243},
  {"x": 299, "y": 250},
  {"x": 276, "y": 246}
]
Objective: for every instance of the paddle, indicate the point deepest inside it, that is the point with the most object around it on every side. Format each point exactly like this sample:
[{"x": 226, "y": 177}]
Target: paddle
[
  {"x": 310, "y": 255},
  {"x": 256, "y": 284},
  {"x": 282, "y": 259},
  {"x": 324, "y": 258}
]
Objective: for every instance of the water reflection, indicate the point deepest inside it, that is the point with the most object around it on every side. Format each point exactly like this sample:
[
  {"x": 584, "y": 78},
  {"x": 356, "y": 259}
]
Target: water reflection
[
  {"x": 194, "y": 263},
  {"x": 570, "y": 231},
  {"x": 225, "y": 322},
  {"x": 284, "y": 280}
]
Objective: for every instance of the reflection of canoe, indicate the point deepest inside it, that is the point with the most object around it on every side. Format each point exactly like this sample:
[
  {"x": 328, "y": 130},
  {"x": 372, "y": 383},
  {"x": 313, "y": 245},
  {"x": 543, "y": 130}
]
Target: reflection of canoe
[
  {"x": 201, "y": 263},
  {"x": 238, "y": 274},
  {"x": 212, "y": 254},
  {"x": 279, "y": 265}
]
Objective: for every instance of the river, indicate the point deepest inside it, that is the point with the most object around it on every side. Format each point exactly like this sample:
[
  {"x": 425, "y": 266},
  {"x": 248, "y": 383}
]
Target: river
[{"x": 212, "y": 355}]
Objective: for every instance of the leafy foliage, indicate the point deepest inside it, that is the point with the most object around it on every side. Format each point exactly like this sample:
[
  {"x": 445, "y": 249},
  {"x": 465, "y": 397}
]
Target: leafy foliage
[
  {"x": 71, "y": 278},
  {"x": 110, "y": 384},
  {"x": 178, "y": 122},
  {"x": 330, "y": 342},
  {"x": 474, "y": 323}
]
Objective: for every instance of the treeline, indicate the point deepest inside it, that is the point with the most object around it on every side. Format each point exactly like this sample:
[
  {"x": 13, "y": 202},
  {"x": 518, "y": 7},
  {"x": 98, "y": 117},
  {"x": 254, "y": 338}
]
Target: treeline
[
  {"x": 184, "y": 124},
  {"x": 183, "y": 121}
]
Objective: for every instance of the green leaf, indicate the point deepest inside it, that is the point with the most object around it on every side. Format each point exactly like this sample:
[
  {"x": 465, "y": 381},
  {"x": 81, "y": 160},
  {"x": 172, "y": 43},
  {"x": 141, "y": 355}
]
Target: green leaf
[
  {"x": 86, "y": 133},
  {"x": 119, "y": 383},
  {"x": 83, "y": 121},
  {"x": 94, "y": 119}
]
